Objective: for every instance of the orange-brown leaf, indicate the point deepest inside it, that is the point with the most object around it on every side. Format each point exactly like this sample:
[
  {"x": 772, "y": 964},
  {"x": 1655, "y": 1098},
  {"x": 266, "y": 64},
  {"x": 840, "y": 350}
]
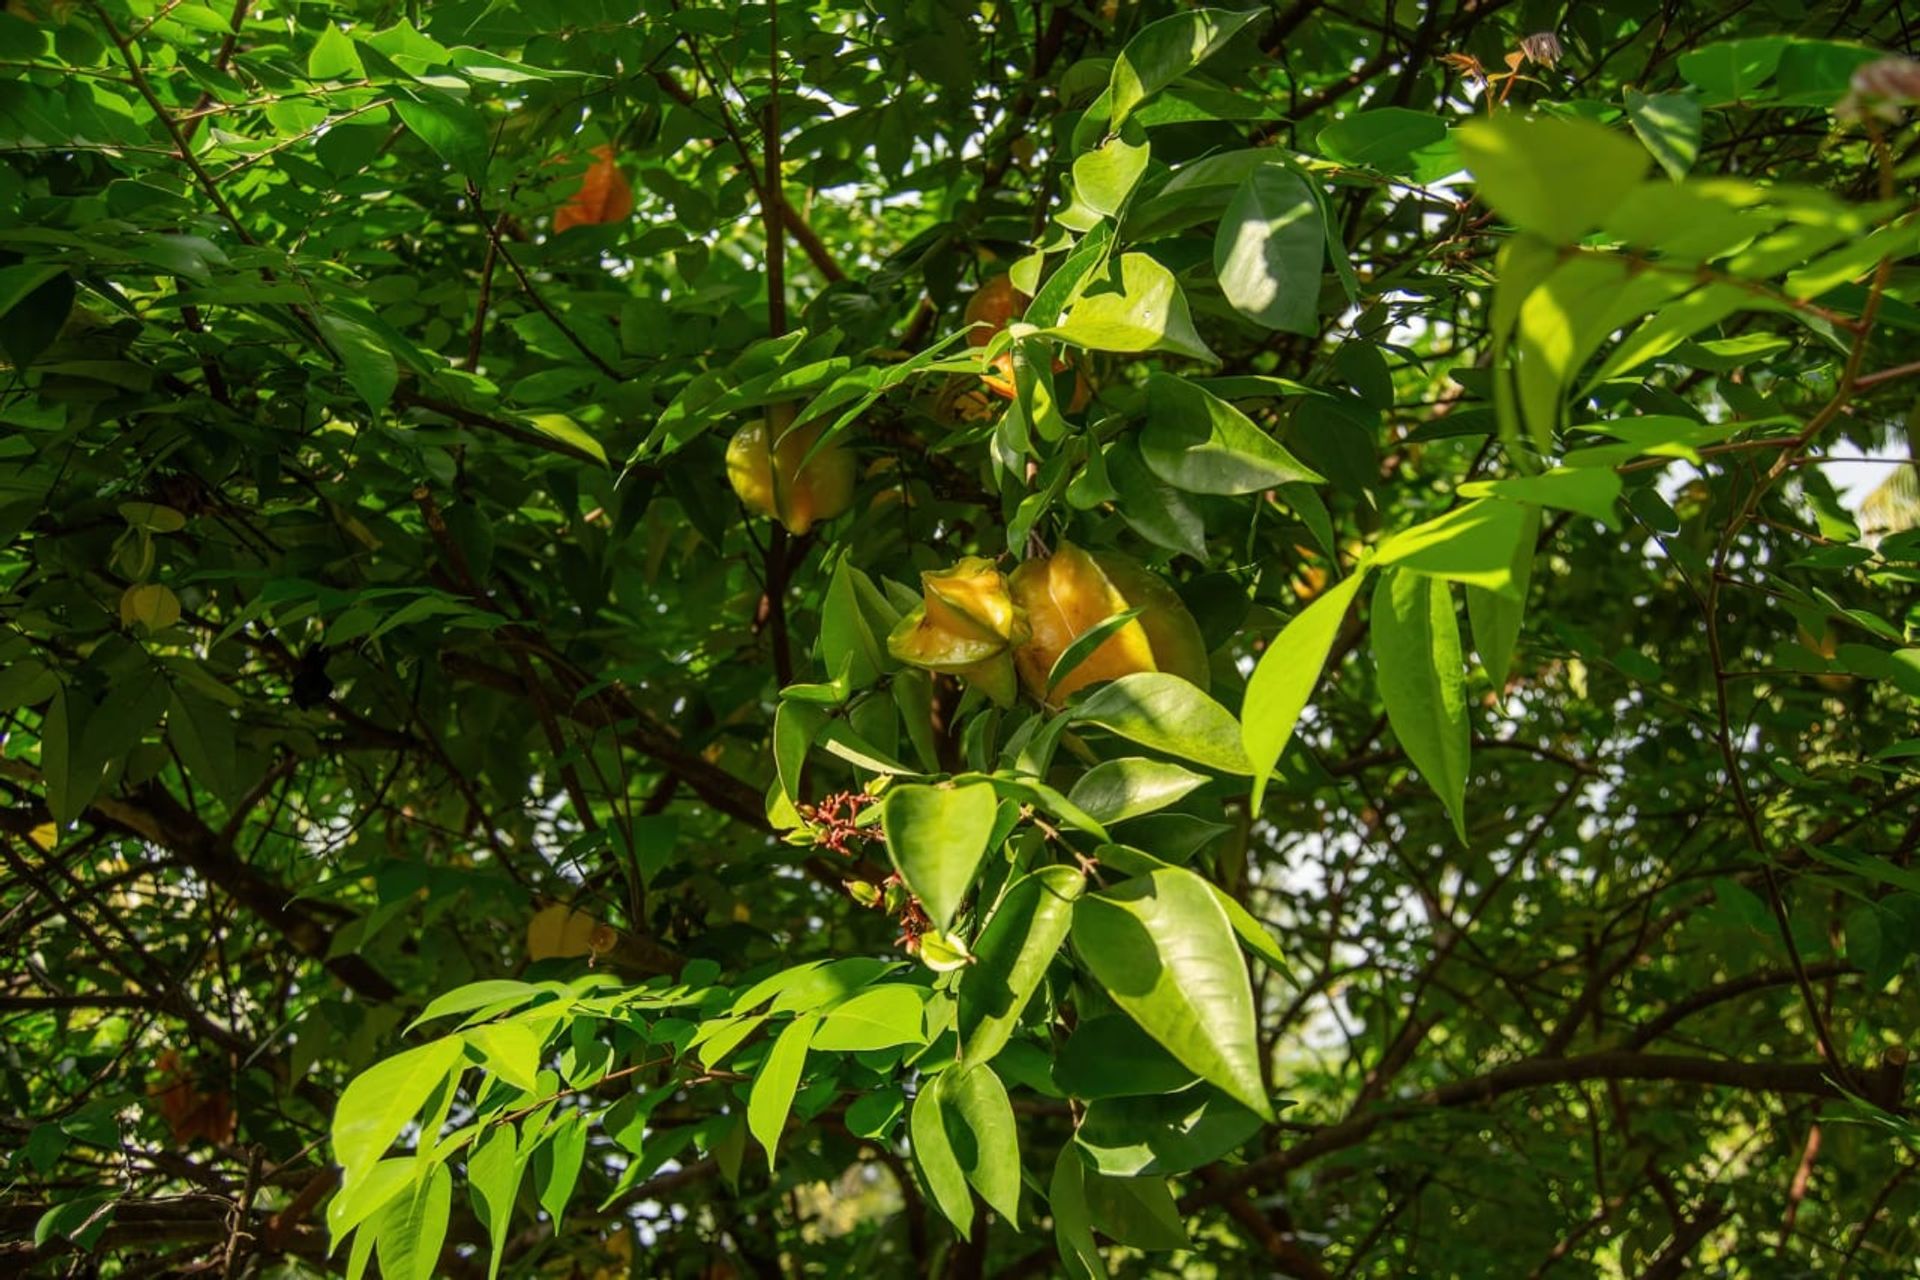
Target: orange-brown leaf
[{"x": 604, "y": 196}]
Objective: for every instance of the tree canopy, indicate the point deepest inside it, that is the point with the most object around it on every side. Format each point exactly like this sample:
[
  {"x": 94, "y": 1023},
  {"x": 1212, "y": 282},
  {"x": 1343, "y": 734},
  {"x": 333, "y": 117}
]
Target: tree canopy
[{"x": 958, "y": 640}]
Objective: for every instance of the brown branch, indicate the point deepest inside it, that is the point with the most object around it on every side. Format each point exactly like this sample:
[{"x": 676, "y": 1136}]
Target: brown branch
[
  {"x": 154, "y": 815},
  {"x": 1809, "y": 1078},
  {"x": 485, "y": 299},
  {"x": 498, "y": 243},
  {"x": 797, "y": 226}
]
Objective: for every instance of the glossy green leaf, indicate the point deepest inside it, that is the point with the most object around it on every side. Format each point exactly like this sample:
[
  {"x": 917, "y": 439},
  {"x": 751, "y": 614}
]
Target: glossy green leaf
[
  {"x": 1011, "y": 957},
  {"x": 1163, "y": 948},
  {"x": 1116, "y": 790},
  {"x": 1139, "y": 1212},
  {"x": 333, "y": 56},
  {"x": 1669, "y": 125},
  {"x": 937, "y": 837},
  {"x": 556, "y": 1165},
  {"x": 1110, "y": 1056},
  {"x": 1284, "y": 679},
  {"x": 1104, "y": 177},
  {"x": 1198, "y": 442},
  {"x": 493, "y": 1175},
  {"x": 452, "y": 129},
  {"x": 877, "y": 1018},
  {"x": 1495, "y": 616},
  {"x": 412, "y": 1228},
  {"x": 1072, "y": 1224},
  {"x": 1136, "y": 306},
  {"x": 933, "y": 1152},
  {"x": 1163, "y": 1134},
  {"x": 1416, "y": 651},
  {"x": 1166, "y": 50},
  {"x": 384, "y": 1098},
  {"x": 1732, "y": 69},
  {"x": 511, "y": 1051},
  {"x": 1591, "y": 491},
  {"x": 1383, "y": 138},
  {"x": 980, "y": 1127},
  {"x": 1270, "y": 250},
  {"x": 771, "y": 1098},
  {"x": 1556, "y": 176},
  {"x": 1473, "y": 543},
  {"x": 1170, "y": 715}
]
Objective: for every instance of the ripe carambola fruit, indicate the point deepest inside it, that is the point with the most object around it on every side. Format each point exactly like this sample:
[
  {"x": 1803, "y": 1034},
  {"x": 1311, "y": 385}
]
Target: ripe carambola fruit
[
  {"x": 1067, "y": 594},
  {"x": 774, "y": 482},
  {"x": 991, "y": 308},
  {"x": 967, "y": 624}
]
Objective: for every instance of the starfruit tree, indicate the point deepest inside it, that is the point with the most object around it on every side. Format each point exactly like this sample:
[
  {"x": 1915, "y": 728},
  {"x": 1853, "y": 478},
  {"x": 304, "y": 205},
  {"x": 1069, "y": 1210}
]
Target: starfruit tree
[{"x": 928, "y": 639}]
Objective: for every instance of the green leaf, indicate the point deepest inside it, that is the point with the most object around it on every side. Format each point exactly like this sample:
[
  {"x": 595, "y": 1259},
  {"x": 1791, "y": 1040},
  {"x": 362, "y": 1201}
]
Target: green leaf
[
  {"x": 937, "y": 836},
  {"x": 771, "y": 1097},
  {"x": 1151, "y": 507},
  {"x": 1416, "y": 652},
  {"x": 1474, "y": 543},
  {"x": 351, "y": 1206},
  {"x": 874, "y": 1113},
  {"x": 558, "y": 426},
  {"x": 1137, "y": 306},
  {"x": 511, "y": 1050},
  {"x": 1064, "y": 285},
  {"x": 35, "y": 301},
  {"x": 877, "y": 1018},
  {"x": 1819, "y": 72},
  {"x": 1011, "y": 957},
  {"x": 1072, "y": 1224},
  {"x": 1115, "y": 790},
  {"x": 854, "y": 621},
  {"x": 1384, "y": 138},
  {"x": 1164, "y": 1133},
  {"x": 1556, "y": 176},
  {"x": 1733, "y": 69},
  {"x": 1105, "y": 177},
  {"x": 1167, "y": 714},
  {"x": 1139, "y": 1212},
  {"x": 334, "y": 57},
  {"x": 1270, "y": 251},
  {"x": 1495, "y": 616},
  {"x": 368, "y": 365},
  {"x": 1198, "y": 442},
  {"x": 979, "y": 1120},
  {"x": 1109, "y": 1056},
  {"x": 933, "y": 1151},
  {"x": 1163, "y": 948},
  {"x": 556, "y": 1165},
  {"x": 202, "y": 732},
  {"x": 493, "y": 1177},
  {"x": 478, "y": 995},
  {"x": 1669, "y": 125},
  {"x": 413, "y": 1227},
  {"x": 1164, "y": 51},
  {"x": 1278, "y": 691},
  {"x": 1591, "y": 491},
  {"x": 454, "y": 131},
  {"x": 70, "y": 782},
  {"x": 381, "y": 1101},
  {"x": 1087, "y": 643}
]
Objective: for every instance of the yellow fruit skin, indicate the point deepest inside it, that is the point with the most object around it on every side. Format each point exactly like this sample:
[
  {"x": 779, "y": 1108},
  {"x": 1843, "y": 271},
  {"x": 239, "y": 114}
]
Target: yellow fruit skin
[
  {"x": 1070, "y": 592},
  {"x": 775, "y": 483},
  {"x": 966, "y": 624},
  {"x": 1178, "y": 647}
]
